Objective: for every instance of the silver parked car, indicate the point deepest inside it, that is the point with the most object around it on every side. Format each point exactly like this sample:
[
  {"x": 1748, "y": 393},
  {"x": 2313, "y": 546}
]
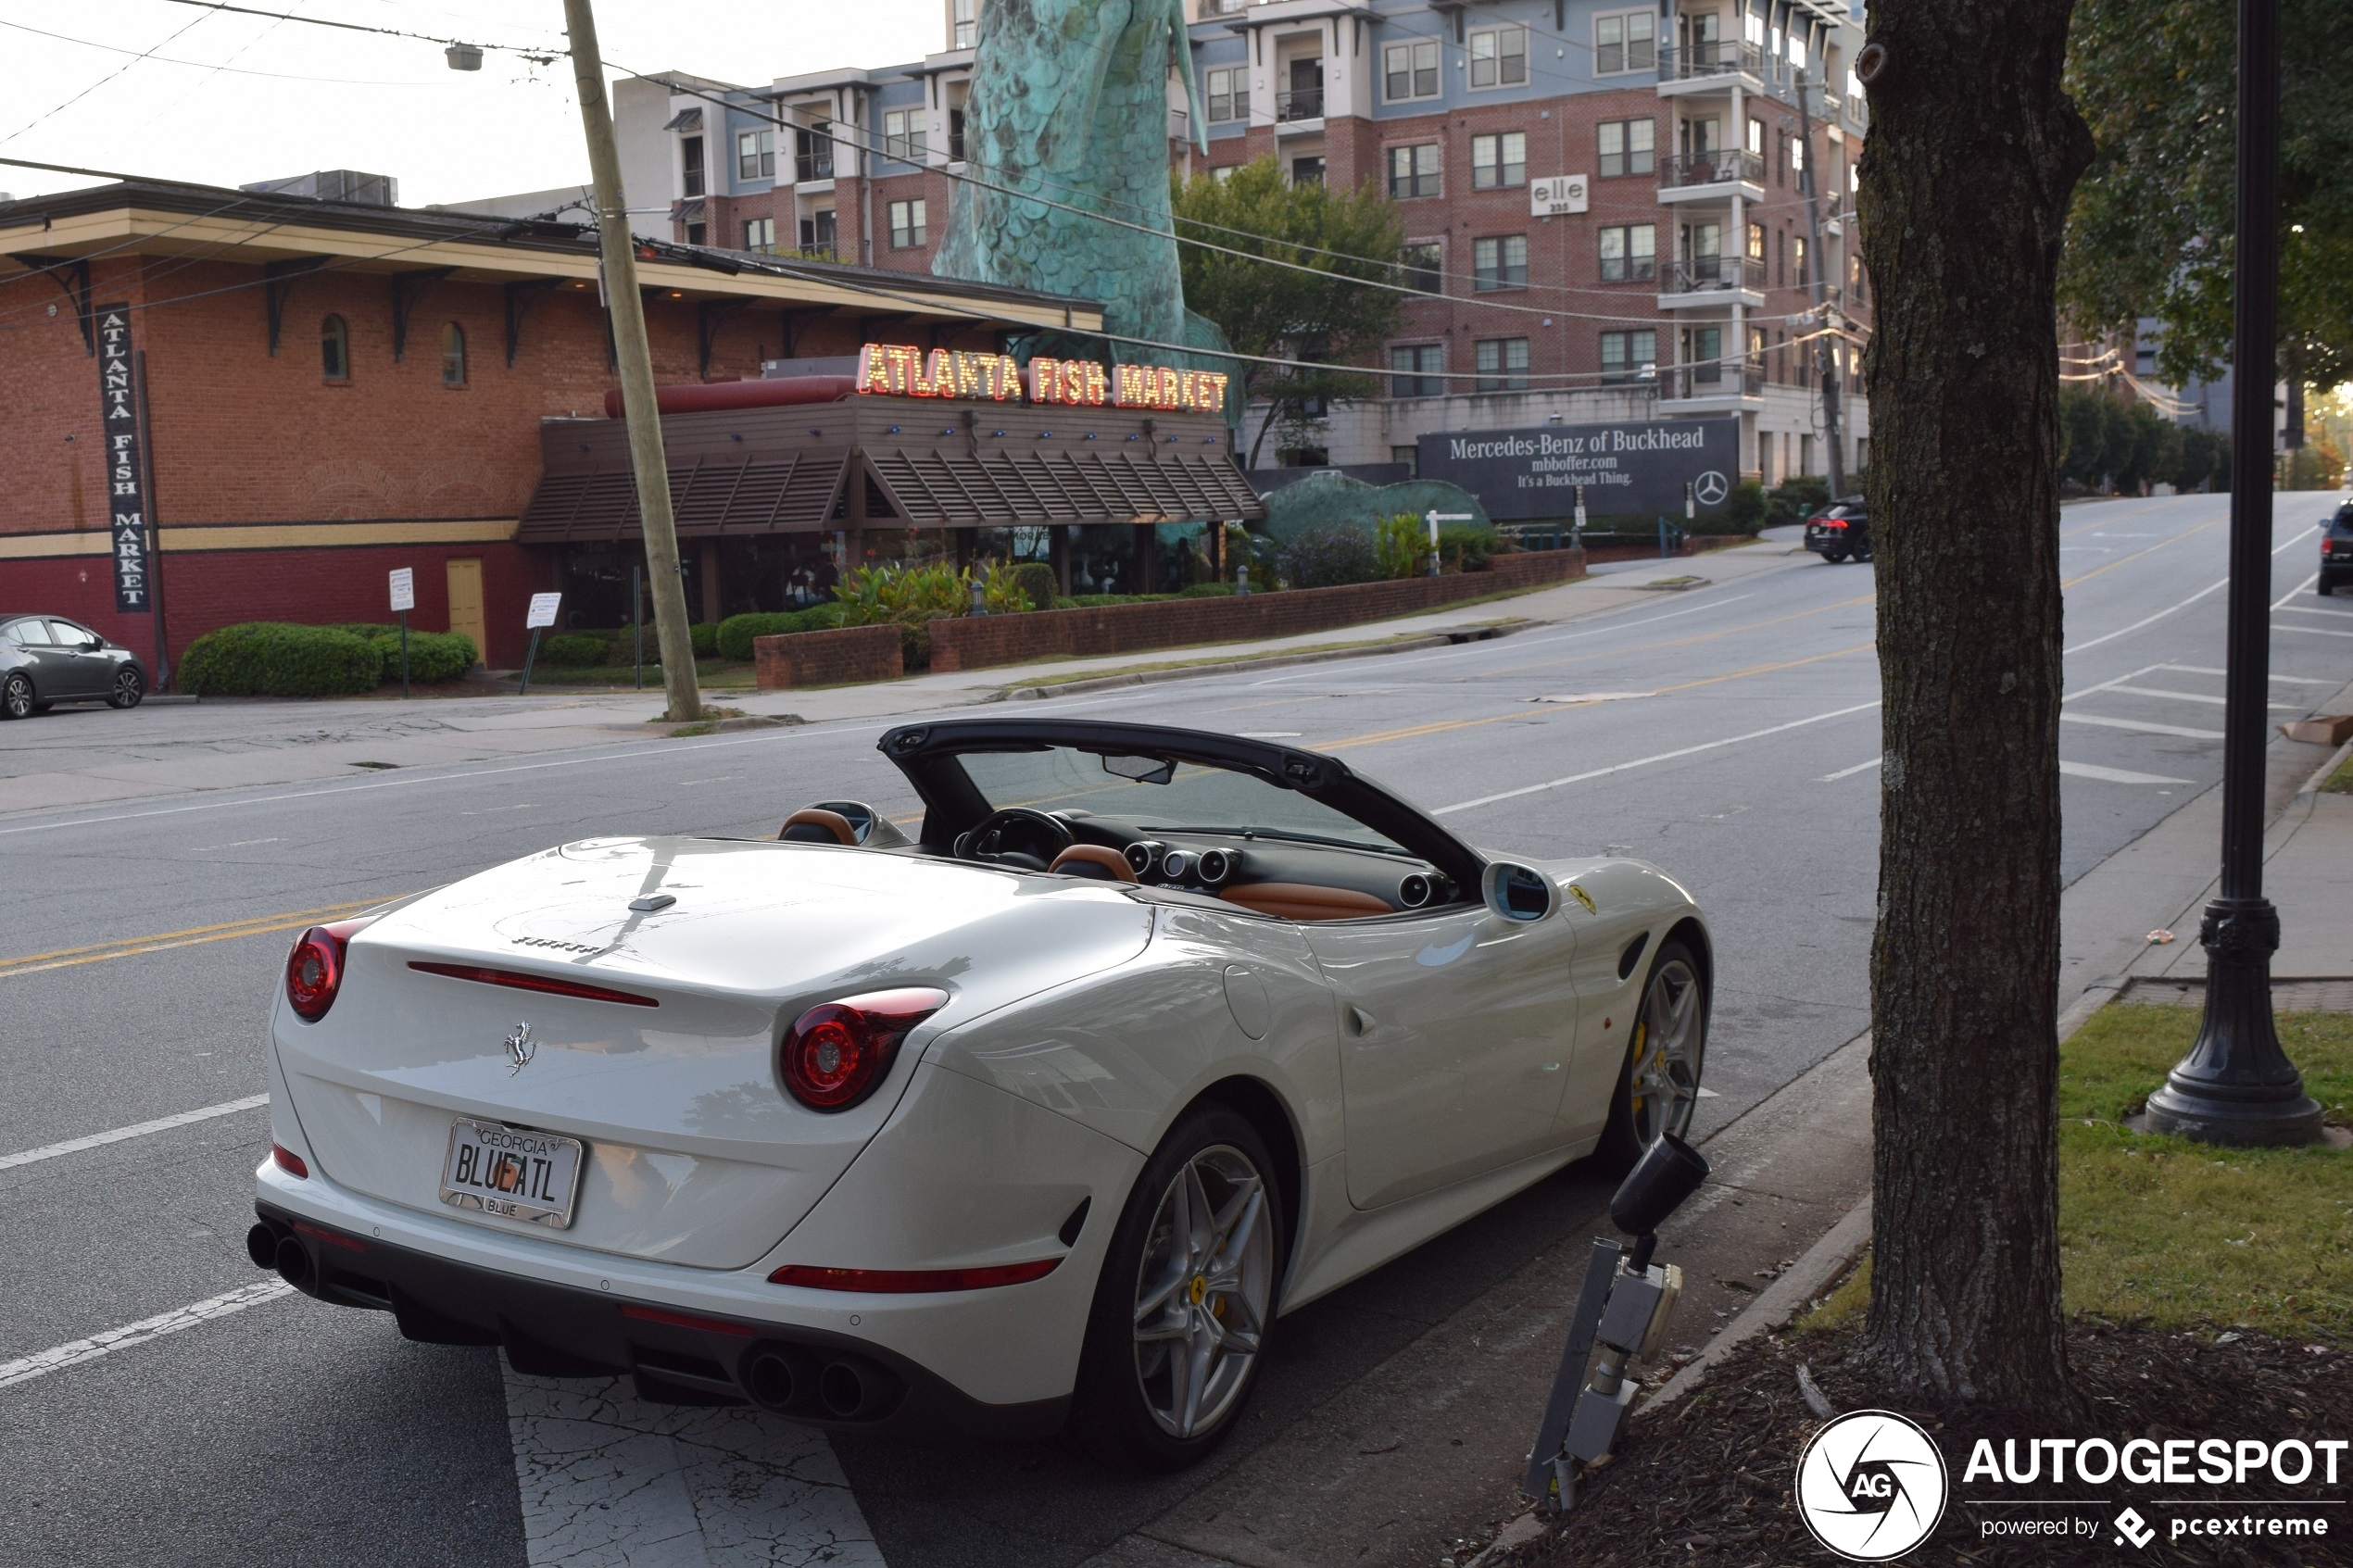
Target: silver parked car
[{"x": 46, "y": 659}]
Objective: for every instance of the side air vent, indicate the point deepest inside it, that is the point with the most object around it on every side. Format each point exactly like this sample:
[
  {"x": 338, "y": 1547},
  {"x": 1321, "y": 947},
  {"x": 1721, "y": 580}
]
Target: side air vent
[
  {"x": 1632, "y": 956},
  {"x": 1414, "y": 892},
  {"x": 1214, "y": 867},
  {"x": 1143, "y": 855}
]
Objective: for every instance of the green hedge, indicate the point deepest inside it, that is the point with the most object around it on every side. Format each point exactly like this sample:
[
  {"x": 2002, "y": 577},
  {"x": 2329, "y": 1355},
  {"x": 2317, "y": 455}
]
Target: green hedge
[
  {"x": 434, "y": 657},
  {"x": 274, "y": 658},
  {"x": 737, "y": 632},
  {"x": 1036, "y": 580},
  {"x": 705, "y": 634},
  {"x": 574, "y": 649}
]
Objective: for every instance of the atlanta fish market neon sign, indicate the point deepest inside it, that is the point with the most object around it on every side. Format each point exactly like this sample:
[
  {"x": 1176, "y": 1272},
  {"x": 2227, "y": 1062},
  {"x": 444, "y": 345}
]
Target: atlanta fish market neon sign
[{"x": 903, "y": 370}]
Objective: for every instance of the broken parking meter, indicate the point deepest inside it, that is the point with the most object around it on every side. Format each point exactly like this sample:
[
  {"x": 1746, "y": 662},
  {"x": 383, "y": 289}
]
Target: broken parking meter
[{"x": 1622, "y": 1312}]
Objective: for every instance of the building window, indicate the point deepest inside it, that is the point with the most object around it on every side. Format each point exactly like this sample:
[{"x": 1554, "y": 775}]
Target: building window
[
  {"x": 1228, "y": 95},
  {"x": 1413, "y": 370},
  {"x": 817, "y": 233},
  {"x": 903, "y": 135},
  {"x": 1412, "y": 171},
  {"x": 1425, "y": 263},
  {"x": 1499, "y": 161},
  {"x": 1502, "y": 364},
  {"x": 1855, "y": 282},
  {"x": 1627, "y": 147},
  {"x": 334, "y": 349},
  {"x": 1630, "y": 251},
  {"x": 1409, "y": 456},
  {"x": 813, "y": 153},
  {"x": 755, "y": 154},
  {"x": 908, "y": 224},
  {"x": 956, "y": 134},
  {"x": 1798, "y": 157},
  {"x": 1756, "y": 244},
  {"x": 1410, "y": 70},
  {"x": 1308, "y": 170},
  {"x": 690, "y": 162},
  {"x": 759, "y": 234},
  {"x": 697, "y": 233},
  {"x": 453, "y": 354},
  {"x": 1797, "y": 262},
  {"x": 1499, "y": 57},
  {"x": 1625, "y": 42},
  {"x": 963, "y": 26},
  {"x": 1500, "y": 262},
  {"x": 1757, "y": 139},
  {"x": 1704, "y": 353},
  {"x": 1632, "y": 356}
]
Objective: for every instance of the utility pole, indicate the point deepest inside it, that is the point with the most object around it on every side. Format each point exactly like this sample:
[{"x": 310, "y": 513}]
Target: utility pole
[
  {"x": 1826, "y": 342},
  {"x": 626, "y": 310},
  {"x": 2236, "y": 1085}
]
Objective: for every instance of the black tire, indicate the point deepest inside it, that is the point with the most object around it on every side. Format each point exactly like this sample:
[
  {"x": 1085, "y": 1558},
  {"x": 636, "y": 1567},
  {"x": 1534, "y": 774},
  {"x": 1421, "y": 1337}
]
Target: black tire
[
  {"x": 1112, "y": 1416},
  {"x": 129, "y": 688},
  {"x": 1623, "y": 1140},
  {"x": 16, "y": 697},
  {"x": 1833, "y": 558}
]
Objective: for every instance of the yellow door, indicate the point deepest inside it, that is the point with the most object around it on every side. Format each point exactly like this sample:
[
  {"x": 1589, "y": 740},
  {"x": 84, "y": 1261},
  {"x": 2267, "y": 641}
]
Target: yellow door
[{"x": 465, "y": 604}]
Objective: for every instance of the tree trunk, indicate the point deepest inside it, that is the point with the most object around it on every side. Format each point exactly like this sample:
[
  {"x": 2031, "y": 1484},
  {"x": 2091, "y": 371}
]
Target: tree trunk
[{"x": 1965, "y": 182}]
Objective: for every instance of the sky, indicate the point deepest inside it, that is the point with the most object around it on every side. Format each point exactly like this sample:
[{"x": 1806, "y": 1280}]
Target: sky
[{"x": 222, "y": 99}]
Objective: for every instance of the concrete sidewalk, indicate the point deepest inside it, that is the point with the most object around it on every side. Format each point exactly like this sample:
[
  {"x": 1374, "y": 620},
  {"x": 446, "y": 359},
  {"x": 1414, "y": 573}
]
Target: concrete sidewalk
[{"x": 82, "y": 756}]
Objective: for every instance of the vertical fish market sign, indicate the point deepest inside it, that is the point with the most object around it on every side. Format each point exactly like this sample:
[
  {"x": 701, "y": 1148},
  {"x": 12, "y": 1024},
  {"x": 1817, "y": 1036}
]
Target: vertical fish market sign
[{"x": 126, "y": 495}]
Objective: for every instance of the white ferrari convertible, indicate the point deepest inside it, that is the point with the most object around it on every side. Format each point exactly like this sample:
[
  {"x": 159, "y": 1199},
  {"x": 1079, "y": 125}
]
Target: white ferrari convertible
[{"x": 1043, "y": 1117}]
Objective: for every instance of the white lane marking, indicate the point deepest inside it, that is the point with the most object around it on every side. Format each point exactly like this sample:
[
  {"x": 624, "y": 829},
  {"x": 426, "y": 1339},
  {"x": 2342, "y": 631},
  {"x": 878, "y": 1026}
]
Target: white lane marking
[
  {"x": 1646, "y": 761},
  {"x": 1530, "y": 639},
  {"x": 2285, "y": 680},
  {"x": 2142, "y": 726},
  {"x": 608, "y": 1481},
  {"x": 1578, "y": 699},
  {"x": 24, "y": 1368},
  {"x": 2152, "y": 619},
  {"x": 2313, "y": 609},
  {"x": 2281, "y": 603},
  {"x": 2104, "y": 685},
  {"x": 137, "y": 1130},
  {"x": 2192, "y": 696},
  {"x": 2314, "y": 631},
  {"x": 2114, "y": 775},
  {"x": 1848, "y": 772}
]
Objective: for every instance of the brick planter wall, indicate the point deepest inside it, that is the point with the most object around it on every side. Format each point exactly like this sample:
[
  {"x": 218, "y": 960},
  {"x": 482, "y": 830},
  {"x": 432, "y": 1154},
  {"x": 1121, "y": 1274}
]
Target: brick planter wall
[
  {"x": 979, "y": 642},
  {"x": 827, "y": 658}
]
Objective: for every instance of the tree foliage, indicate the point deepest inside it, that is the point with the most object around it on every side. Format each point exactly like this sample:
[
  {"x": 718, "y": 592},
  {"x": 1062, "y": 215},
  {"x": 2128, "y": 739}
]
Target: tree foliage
[
  {"x": 1323, "y": 316},
  {"x": 2151, "y": 231}
]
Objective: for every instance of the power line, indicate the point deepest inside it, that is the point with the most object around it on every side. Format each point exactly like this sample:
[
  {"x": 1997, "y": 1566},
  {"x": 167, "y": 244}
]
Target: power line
[
  {"x": 538, "y": 56},
  {"x": 203, "y": 65},
  {"x": 92, "y": 88}
]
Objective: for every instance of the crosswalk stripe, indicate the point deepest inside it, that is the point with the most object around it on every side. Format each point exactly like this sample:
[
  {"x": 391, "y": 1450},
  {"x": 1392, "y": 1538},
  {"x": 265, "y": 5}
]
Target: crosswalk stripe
[{"x": 2141, "y": 726}]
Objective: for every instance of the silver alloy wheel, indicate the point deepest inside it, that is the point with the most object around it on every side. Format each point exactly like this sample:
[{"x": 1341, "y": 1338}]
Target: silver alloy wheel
[
  {"x": 16, "y": 697},
  {"x": 1203, "y": 1291},
  {"x": 1669, "y": 1042},
  {"x": 127, "y": 689}
]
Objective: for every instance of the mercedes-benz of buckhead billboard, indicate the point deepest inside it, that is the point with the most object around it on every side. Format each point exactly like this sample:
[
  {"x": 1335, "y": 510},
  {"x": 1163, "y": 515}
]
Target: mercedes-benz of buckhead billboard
[{"x": 1632, "y": 466}]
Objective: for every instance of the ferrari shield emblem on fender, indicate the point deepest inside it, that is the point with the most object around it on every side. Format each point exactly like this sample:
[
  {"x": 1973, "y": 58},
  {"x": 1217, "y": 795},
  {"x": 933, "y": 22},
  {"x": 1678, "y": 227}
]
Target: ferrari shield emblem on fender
[
  {"x": 519, "y": 1047},
  {"x": 1579, "y": 892}
]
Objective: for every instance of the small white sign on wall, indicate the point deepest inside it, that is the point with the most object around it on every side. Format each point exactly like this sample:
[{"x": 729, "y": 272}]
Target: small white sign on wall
[
  {"x": 404, "y": 588},
  {"x": 543, "y": 611},
  {"x": 1557, "y": 196}
]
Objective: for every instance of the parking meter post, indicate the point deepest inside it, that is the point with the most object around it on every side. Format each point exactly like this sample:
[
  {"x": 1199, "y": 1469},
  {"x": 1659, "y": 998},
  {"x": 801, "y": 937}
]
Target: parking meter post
[
  {"x": 529, "y": 653},
  {"x": 1544, "y": 1479},
  {"x": 1689, "y": 513},
  {"x": 1577, "y": 531},
  {"x": 1431, "y": 517},
  {"x": 404, "y": 656}
]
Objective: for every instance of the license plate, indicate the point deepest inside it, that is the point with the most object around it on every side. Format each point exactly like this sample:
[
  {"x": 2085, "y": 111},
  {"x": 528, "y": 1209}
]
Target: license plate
[{"x": 511, "y": 1173}]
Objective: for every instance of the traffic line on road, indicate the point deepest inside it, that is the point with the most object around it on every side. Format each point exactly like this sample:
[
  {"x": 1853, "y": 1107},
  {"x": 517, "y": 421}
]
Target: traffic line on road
[
  {"x": 2313, "y": 609},
  {"x": 137, "y": 1130},
  {"x": 2192, "y": 696},
  {"x": 2142, "y": 725},
  {"x": 1647, "y": 761},
  {"x": 24, "y": 1368},
  {"x": 2314, "y": 631},
  {"x": 2282, "y": 680},
  {"x": 1849, "y": 772},
  {"x": 2281, "y": 603},
  {"x": 130, "y": 946},
  {"x": 2114, "y": 775}
]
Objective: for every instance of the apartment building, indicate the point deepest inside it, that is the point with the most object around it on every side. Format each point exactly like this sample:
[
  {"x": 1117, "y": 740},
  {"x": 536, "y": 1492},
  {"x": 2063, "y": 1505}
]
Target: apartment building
[{"x": 1612, "y": 211}]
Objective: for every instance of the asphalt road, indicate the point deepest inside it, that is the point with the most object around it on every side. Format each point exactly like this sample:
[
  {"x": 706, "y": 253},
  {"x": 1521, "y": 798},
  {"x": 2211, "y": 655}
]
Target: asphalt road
[{"x": 1736, "y": 749}]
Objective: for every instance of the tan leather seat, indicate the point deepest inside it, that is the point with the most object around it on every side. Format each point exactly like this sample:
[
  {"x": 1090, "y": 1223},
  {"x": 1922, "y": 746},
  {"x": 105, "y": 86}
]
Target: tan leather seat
[
  {"x": 812, "y": 826},
  {"x": 1094, "y": 861},
  {"x": 1306, "y": 901}
]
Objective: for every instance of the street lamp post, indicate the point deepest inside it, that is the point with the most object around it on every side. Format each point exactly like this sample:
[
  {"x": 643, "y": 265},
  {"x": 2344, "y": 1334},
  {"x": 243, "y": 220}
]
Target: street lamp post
[{"x": 2236, "y": 1085}]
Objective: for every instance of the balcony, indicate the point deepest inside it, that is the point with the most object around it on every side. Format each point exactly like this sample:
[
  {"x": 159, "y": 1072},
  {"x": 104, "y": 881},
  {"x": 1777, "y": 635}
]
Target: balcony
[
  {"x": 1712, "y": 281},
  {"x": 817, "y": 163},
  {"x": 1710, "y": 386},
  {"x": 1711, "y": 176},
  {"x": 1300, "y": 103},
  {"x": 1710, "y": 66}
]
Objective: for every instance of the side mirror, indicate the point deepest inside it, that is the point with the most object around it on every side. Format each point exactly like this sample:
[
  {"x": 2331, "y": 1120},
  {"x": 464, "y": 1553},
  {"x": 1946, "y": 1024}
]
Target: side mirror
[{"x": 1519, "y": 893}]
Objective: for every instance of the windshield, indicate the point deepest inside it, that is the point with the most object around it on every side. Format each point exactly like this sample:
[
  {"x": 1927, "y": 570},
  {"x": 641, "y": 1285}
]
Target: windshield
[{"x": 1166, "y": 797}]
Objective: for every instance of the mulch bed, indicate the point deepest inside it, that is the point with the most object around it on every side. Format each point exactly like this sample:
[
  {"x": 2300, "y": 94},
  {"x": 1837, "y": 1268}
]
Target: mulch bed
[{"x": 1709, "y": 1480}]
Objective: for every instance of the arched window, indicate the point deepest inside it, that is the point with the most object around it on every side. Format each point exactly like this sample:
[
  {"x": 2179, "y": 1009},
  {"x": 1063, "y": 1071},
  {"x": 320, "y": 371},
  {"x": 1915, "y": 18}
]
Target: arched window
[
  {"x": 334, "y": 349},
  {"x": 453, "y": 354}
]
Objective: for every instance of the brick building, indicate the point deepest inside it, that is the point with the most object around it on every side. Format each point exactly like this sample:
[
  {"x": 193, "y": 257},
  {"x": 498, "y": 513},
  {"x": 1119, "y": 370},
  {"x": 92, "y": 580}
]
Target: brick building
[
  {"x": 324, "y": 390},
  {"x": 1612, "y": 211}
]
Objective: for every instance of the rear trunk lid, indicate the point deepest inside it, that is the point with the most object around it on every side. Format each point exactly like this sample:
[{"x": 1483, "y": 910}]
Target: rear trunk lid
[{"x": 694, "y": 1152}]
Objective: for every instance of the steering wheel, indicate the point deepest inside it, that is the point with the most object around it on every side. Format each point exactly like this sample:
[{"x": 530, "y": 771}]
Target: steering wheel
[{"x": 1016, "y": 836}]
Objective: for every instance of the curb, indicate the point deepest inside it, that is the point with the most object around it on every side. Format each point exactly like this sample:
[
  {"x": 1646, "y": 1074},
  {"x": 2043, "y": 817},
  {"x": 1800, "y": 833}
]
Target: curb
[
  {"x": 1240, "y": 666},
  {"x": 1830, "y": 1257}
]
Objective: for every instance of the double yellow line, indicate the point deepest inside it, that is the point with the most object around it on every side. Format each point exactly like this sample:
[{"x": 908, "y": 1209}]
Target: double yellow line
[{"x": 259, "y": 925}]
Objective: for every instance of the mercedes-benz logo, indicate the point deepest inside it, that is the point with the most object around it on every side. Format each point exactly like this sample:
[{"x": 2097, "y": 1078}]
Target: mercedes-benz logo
[
  {"x": 519, "y": 1047},
  {"x": 1710, "y": 489}
]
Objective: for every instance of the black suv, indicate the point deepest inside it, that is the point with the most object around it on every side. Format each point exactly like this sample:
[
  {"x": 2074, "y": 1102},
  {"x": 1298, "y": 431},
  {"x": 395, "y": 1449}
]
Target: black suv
[
  {"x": 2336, "y": 551},
  {"x": 46, "y": 659},
  {"x": 1840, "y": 530}
]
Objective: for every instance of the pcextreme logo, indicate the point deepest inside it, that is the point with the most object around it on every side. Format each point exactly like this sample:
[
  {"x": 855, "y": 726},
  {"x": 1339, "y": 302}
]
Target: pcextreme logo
[{"x": 1872, "y": 1485}]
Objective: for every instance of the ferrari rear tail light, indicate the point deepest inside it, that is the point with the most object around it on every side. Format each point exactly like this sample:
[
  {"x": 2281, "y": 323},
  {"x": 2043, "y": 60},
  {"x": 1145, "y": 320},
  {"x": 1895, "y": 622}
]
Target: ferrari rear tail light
[
  {"x": 314, "y": 970},
  {"x": 837, "y": 1052},
  {"x": 289, "y": 1162},
  {"x": 519, "y": 980},
  {"x": 912, "y": 1282}
]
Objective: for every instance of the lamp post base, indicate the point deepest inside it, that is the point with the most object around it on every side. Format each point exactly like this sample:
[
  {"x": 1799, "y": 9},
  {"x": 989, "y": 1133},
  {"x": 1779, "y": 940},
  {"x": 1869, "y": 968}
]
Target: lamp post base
[{"x": 2236, "y": 1087}]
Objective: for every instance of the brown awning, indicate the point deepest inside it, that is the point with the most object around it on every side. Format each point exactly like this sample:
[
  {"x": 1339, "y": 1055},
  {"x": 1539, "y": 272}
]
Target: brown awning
[
  {"x": 709, "y": 499},
  {"x": 1010, "y": 489}
]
